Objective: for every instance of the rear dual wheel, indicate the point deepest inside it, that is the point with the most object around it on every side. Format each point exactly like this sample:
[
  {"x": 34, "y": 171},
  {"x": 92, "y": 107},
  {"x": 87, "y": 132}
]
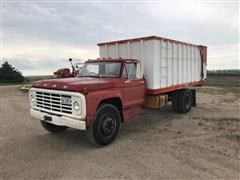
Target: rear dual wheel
[{"x": 182, "y": 101}]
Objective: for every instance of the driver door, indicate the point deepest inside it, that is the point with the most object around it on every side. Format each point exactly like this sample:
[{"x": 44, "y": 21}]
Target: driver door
[{"x": 133, "y": 85}]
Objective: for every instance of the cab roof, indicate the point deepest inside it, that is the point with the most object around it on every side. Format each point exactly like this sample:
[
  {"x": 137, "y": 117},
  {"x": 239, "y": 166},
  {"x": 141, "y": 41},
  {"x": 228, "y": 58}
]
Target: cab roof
[{"x": 126, "y": 60}]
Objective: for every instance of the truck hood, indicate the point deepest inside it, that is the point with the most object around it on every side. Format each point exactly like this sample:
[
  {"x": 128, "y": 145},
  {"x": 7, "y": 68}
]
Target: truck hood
[{"x": 77, "y": 84}]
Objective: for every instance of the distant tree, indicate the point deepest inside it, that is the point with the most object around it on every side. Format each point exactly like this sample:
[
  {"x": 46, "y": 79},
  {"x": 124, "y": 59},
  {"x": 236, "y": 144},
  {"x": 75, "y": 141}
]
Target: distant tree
[{"x": 8, "y": 74}]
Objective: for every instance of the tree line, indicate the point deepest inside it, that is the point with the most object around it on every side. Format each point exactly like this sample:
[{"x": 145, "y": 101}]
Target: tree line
[
  {"x": 224, "y": 71},
  {"x": 9, "y": 74}
]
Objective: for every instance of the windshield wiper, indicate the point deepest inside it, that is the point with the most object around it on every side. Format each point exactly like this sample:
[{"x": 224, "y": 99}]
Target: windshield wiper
[
  {"x": 95, "y": 76},
  {"x": 99, "y": 76}
]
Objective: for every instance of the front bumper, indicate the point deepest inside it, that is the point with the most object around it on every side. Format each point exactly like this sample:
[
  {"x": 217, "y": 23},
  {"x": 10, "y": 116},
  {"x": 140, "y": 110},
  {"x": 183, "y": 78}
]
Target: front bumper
[{"x": 60, "y": 120}]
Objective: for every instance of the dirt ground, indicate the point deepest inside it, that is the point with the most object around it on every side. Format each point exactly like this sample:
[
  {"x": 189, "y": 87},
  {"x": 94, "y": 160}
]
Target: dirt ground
[{"x": 203, "y": 144}]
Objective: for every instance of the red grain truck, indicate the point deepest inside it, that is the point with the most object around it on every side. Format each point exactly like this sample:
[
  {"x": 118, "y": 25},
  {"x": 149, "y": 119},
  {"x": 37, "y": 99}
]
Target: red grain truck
[{"x": 129, "y": 75}]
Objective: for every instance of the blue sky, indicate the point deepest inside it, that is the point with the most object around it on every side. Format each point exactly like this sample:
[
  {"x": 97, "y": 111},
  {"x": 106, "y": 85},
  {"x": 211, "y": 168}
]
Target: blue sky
[{"x": 39, "y": 36}]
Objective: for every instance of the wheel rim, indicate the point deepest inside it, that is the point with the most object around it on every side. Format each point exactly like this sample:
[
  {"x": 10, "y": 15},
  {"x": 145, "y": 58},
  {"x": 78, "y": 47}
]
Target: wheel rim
[
  {"x": 108, "y": 125},
  {"x": 187, "y": 101}
]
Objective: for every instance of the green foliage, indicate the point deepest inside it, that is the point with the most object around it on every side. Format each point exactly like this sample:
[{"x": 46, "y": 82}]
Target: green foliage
[{"x": 8, "y": 74}]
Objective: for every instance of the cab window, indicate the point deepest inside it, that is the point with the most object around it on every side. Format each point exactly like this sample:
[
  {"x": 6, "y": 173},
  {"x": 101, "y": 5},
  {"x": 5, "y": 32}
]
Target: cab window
[{"x": 129, "y": 71}]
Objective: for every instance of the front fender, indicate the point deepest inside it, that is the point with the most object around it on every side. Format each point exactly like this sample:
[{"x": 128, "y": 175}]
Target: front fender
[{"x": 93, "y": 100}]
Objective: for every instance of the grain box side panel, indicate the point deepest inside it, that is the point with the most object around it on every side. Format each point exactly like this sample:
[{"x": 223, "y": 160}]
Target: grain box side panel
[
  {"x": 169, "y": 63},
  {"x": 192, "y": 63},
  {"x": 102, "y": 51},
  {"x": 122, "y": 50},
  {"x": 175, "y": 64},
  {"x": 111, "y": 51},
  {"x": 141, "y": 50},
  {"x": 148, "y": 61},
  {"x": 144, "y": 51},
  {"x": 198, "y": 67},
  {"x": 188, "y": 64},
  {"x": 196, "y": 64},
  {"x": 185, "y": 64},
  {"x": 135, "y": 50},
  {"x": 163, "y": 67},
  {"x": 180, "y": 69},
  {"x": 200, "y": 64},
  {"x": 156, "y": 64}
]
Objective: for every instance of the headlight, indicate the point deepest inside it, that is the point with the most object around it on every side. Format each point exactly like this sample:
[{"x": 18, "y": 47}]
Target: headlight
[
  {"x": 32, "y": 98},
  {"x": 76, "y": 105}
]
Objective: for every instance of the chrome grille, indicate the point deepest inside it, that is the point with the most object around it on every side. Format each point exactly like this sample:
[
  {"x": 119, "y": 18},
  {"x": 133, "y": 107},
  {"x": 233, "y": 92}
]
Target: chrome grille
[{"x": 53, "y": 102}]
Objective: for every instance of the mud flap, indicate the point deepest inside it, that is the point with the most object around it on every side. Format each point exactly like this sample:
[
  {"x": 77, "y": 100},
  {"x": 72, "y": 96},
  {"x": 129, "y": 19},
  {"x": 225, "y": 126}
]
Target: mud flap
[{"x": 194, "y": 101}]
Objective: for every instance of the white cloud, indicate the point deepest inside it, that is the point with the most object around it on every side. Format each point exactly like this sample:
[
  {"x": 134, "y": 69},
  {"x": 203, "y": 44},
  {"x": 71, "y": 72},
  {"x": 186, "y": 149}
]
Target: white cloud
[
  {"x": 44, "y": 32},
  {"x": 45, "y": 50}
]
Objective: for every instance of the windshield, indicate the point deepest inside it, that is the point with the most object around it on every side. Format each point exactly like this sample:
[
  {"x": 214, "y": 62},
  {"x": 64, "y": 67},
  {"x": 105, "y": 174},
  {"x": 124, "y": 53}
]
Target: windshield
[{"x": 99, "y": 69}]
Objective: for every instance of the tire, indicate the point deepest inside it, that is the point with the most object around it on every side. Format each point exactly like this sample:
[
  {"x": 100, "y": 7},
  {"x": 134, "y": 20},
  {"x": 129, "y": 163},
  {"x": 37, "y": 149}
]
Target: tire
[
  {"x": 105, "y": 126},
  {"x": 185, "y": 101},
  {"x": 53, "y": 128},
  {"x": 175, "y": 101}
]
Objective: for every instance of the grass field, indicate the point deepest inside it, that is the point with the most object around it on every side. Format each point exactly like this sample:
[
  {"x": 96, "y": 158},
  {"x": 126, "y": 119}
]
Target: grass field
[{"x": 29, "y": 80}]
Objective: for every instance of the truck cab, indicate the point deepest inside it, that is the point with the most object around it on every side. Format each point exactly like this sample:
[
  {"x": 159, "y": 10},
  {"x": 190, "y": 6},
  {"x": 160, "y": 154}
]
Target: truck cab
[{"x": 104, "y": 93}]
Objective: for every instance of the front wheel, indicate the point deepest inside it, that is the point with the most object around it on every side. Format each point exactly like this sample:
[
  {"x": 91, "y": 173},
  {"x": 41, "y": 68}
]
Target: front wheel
[
  {"x": 52, "y": 128},
  {"x": 105, "y": 126}
]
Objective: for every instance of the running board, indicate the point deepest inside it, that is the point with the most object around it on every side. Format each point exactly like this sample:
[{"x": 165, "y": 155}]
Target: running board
[{"x": 132, "y": 113}]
